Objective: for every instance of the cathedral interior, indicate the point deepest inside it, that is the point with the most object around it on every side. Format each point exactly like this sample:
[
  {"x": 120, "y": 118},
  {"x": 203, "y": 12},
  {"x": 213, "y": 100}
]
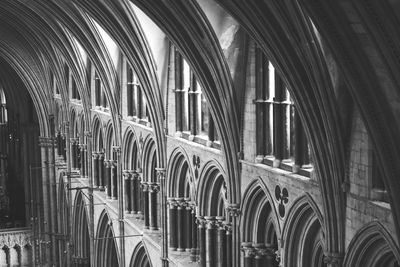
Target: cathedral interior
[{"x": 212, "y": 133}]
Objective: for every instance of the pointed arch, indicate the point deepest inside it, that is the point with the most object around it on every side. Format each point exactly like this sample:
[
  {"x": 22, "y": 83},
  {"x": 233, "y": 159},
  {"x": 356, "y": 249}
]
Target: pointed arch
[
  {"x": 149, "y": 160},
  {"x": 372, "y": 246},
  {"x": 303, "y": 234},
  {"x": 130, "y": 153},
  {"x": 81, "y": 237},
  {"x": 106, "y": 246},
  {"x": 97, "y": 129},
  {"x": 211, "y": 192},
  {"x": 140, "y": 257},
  {"x": 109, "y": 141}
]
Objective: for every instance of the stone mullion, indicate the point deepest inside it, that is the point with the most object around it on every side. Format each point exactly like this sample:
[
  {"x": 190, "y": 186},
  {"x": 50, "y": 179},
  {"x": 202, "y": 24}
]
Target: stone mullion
[
  {"x": 278, "y": 123},
  {"x": 114, "y": 180},
  {"x": 202, "y": 240},
  {"x": 127, "y": 189},
  {"x": 172, "y": 214},
  {"x": 95, "y": 165},
  {"x": 153, "y": 191},
  {"x": 210, "y": 241},
  {"x": 140, "y": 195},
  {"x": 107, "y": 176}
]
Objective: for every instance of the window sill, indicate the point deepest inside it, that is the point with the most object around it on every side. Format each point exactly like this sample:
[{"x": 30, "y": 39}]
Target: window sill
[
  {"x": 286, "y": 165},
  {"x": 199, "y": 139}
]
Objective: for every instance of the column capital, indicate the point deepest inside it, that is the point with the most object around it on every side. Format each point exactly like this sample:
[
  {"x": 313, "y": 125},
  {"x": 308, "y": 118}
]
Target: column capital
[
  {"x": 126, "y": 174},
  {"x": 95, "y": 155},
  {"x": 249, "y": 251},
  {"x": 333, "y": 259},
  {"x": 145, "y": 186},
  {"x": 201, "y": 222},
  {"x": 233, "y": 210},
  {"x": 88, "y": 134},
  {"x": 154, "y": 187},
  {"x": 116, "y": 149},
  {"x": 160, "y": 172}
]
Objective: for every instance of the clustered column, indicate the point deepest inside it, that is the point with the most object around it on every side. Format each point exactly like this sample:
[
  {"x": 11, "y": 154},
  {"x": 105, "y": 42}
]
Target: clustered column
[
  {"x": 154, "y": 188},
  {"x": 145, "y": 189},
  {"x": 183, "y": 229},
  {"x": 74, "y": 153},
  {"x": 214, "y": 242},
  {"x": 132, "y": 191},
  {"x": 127, "y": 191}
]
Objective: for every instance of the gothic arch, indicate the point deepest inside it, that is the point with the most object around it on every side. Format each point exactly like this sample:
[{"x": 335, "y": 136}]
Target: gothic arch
[
  {"x": 109, "y": 141},
  {"x": 180, "y": 176},
  {"x": 211, "y": 192},
  {"x": 149, "y": 160},
  {"x": 98, "y": 136},
  {"x": 257, "y": 201},
  {"x": 372, "y": 246},
  {"x": 140, "y": 257},
  {"x": 303, "y": 235},
  {"x": 82, "y": 127},
  {"x": 106, "y": 246},
  {"x": 81, "y": 237},
  {"x": 130, "y": 151}
]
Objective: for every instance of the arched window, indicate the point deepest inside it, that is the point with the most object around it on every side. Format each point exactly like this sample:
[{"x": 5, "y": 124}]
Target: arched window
[
  {"x": 136, "y": 101},
  {"x": 193, "y": 118},
  {"x": 280, "y": 137}
]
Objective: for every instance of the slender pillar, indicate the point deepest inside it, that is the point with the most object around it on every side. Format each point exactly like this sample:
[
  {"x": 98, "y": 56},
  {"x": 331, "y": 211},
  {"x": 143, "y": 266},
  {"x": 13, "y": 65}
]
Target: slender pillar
[
  {"x": 134, "y": 192},
  {"x": 64, "y": 147},
  {"x": 95, "y": 157},
  {"x": 221, "y": 242},
  {"x": 114, "y": 179},
  {"x": 278, "y": 120},
  {"x": 202, "y": 240},
  {"x": 180, "y": 223},
  {"x": 228, "y": 232},
  {"x": 172, "y": 214},
  {"x": 45, "y": 246},
  {"x": 153, "y": 191},
  {"x": 127, "y": 191},
  {"x": 82, "y": 159},
  {"x": 210, "y": 241},
  {"x": 249, "y": 254},
  {"x": 194, "y": 250},
  {"x": 140, "y": 195},
  {"x": 145, "y": 186},
  {"x": 188, "y": 226},
  {"x": 101, "y": 170},
  {"x": 107, "y": 176}
]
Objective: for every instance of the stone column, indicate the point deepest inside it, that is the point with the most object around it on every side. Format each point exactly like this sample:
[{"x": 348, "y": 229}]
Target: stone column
[
  {"x": 134, "y": 192},
  {"x": 194, "y": 250},
  {"x": 153, "y": 192},
  {"x": 180, "y": 223},
  {"x": 211, "y": 226},
  {"x": 140, "y": 195},
  {"x": 107, "y": 176},
  {"x": 101, "y": 170},
  {"x": 127, "y": 191},
  {"x": 228, "y": 233},
  {"x": 221, "y": 242},
  {"x": 73, "y": 152},
  {"x": 249, "y": 255},
  {"x": 201, "y": 240},
  {"x": 188, "y": 226},
  {"x": 82, "y": 159},
  {"x": 64, "y": 147},
  {"x": 95, "y": 157},
  {"x": 172, "y": 214},
  {"x": 146, "y": 218},
  {"x": 114, "y": 179}
]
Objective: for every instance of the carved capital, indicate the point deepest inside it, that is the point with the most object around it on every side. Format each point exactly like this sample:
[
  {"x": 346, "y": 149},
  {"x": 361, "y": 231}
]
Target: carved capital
[
  {"x": 126, "y": 174},
  {"x": 233, "y": 210},
  {"x": 160, "y": 174},
  {"x": 154, "y": 187}
]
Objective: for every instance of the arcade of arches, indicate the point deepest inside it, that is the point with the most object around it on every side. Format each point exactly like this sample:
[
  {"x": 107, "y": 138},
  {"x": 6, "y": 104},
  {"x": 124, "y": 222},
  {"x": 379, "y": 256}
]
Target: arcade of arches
[{"x": 199, "y": 133}]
